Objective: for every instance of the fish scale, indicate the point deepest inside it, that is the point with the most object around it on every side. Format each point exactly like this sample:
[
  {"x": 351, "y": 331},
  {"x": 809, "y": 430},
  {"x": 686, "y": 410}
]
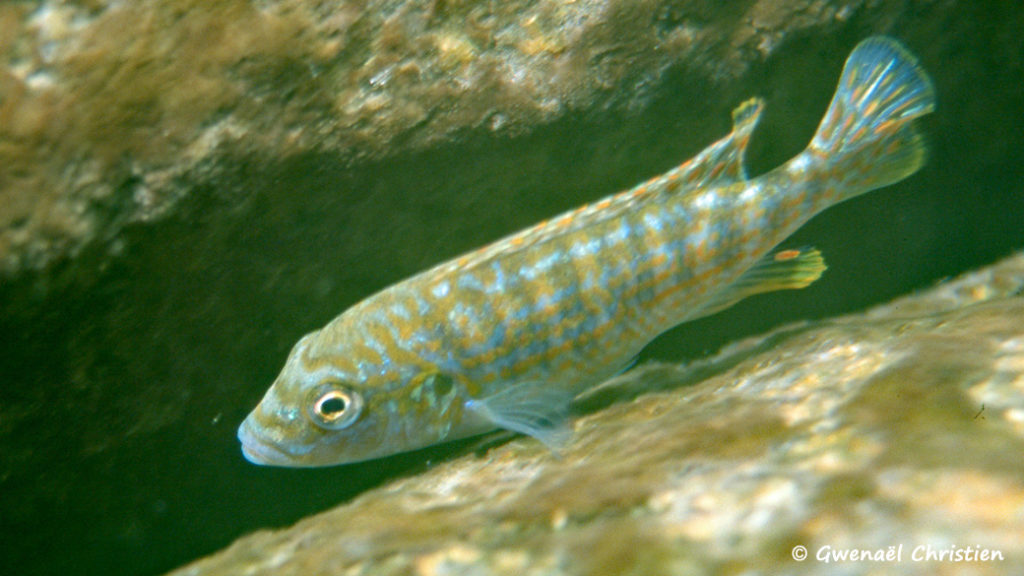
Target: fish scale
[{"x": 506, "y": 336}]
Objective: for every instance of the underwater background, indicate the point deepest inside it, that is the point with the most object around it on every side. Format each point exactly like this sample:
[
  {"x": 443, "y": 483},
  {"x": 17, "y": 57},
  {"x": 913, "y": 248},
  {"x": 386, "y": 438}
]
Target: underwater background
[{"x": 187, "y": 189}]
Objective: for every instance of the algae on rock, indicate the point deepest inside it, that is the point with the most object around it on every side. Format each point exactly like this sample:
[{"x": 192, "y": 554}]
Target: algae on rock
[{"x": 112, "y": 112}]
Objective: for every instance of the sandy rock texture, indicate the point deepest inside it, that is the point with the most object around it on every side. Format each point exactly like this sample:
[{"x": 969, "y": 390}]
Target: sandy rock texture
[{"x": 112, "y": 112}]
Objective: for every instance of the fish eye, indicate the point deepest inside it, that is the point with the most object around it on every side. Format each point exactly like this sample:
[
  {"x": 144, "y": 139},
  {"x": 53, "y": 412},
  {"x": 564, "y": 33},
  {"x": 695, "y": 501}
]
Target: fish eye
[{"x": 334, "y": 407}]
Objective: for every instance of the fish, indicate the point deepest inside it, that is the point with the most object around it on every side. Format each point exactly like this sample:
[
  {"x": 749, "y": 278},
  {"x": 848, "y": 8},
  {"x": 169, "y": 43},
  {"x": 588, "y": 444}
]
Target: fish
[{"x": 507, "y": 336}]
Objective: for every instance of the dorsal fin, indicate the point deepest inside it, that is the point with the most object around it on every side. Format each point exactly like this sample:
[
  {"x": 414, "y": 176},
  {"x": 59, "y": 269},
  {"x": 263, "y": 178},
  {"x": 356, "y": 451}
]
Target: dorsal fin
[{"x": 722, "y": 162}]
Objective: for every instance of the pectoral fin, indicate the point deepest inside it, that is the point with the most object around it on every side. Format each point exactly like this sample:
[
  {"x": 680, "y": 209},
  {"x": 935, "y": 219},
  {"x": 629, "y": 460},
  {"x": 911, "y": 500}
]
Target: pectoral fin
[
  {"x": 783, "y": 270},
  {"x": 537, "y": 409}
]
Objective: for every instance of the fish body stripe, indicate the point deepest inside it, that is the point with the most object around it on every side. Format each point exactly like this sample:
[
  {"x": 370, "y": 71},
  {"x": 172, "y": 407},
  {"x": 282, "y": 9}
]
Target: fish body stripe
[{"x": 587, "y": 295}]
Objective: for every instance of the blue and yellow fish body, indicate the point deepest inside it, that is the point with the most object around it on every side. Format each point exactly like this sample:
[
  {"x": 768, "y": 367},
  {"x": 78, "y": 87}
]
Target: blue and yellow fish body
[{"x": 506, "y": 336}]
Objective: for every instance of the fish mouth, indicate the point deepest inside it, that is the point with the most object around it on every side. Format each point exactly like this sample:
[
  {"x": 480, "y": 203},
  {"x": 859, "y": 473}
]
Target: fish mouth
[{"x": 259, "y": 451}]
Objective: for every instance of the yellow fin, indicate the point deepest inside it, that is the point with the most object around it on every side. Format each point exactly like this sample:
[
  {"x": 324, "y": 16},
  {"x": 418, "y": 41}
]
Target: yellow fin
[{"x": 782, "y": 270}]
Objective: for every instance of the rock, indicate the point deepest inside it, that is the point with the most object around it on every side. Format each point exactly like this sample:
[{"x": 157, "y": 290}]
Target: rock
[
  {"x": 900, "y": 427},
  {"x": 112, "y": 112}
]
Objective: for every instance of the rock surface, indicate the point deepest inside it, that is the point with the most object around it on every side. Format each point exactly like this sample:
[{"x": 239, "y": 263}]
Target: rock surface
[
  {"x": 112, "y": 112},
  {"x": 899, "y": 427}
]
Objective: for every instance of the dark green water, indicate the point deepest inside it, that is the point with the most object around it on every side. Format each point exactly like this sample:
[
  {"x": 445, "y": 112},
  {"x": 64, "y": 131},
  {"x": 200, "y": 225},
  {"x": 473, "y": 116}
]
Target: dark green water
[{"x": 120, "y": 400}]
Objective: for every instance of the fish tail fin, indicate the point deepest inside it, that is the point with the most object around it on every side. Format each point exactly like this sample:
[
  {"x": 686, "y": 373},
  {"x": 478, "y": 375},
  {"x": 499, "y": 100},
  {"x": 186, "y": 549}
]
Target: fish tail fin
[{"x": 867, "y": 139}]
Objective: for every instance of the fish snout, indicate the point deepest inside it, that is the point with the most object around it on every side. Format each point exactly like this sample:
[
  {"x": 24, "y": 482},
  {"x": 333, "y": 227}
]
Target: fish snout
[{"x": 259, "y": 449}]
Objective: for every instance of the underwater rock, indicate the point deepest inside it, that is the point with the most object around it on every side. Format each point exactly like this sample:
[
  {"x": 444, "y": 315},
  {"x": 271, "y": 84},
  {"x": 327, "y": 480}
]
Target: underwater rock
[
  {"x": 897, "y": 430},
  {"x": 112, "y": 112}
]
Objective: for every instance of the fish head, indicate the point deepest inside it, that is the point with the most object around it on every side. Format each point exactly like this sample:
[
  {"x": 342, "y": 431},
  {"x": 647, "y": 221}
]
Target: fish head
[{"x": 322, "y": 410}]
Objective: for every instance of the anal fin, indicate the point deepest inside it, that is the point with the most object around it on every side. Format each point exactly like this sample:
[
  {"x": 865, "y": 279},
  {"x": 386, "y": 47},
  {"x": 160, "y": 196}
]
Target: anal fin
[{"x": 783, "y": 270}]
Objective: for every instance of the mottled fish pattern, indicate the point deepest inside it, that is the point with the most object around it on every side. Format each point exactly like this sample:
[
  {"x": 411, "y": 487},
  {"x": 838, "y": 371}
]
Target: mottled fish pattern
[{"x": 506, "y": 336}]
